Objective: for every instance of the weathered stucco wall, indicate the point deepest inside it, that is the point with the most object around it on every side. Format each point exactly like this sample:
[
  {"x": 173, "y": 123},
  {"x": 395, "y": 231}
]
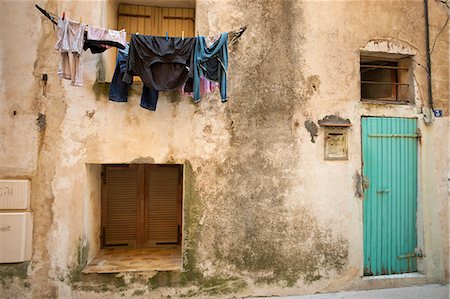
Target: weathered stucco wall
[{"x": 264, "y": 213}]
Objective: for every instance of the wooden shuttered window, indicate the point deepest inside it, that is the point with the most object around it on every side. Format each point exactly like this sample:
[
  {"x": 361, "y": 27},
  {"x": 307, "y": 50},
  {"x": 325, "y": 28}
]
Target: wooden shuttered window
[
  {"x": 175, "y": 20},
  {"x": 141, "y": 205},
  {"x": 151, "y": 20}
]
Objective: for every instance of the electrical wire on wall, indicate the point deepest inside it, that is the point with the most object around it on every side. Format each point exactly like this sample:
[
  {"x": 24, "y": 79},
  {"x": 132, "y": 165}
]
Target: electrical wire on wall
[
  {"x": 445, "y": 2},
  {"x": 435, "y": 39}
]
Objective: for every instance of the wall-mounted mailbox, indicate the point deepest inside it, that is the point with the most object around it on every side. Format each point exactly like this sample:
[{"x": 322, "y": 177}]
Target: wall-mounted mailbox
[
  {"x": 336, "y": 131},
  {"x": 336, "y": 144}
]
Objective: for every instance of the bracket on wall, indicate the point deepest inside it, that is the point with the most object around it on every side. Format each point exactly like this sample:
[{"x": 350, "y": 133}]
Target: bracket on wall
[
  {"x": 50, "y": 16},
  {"x": 235, "y": 35}
]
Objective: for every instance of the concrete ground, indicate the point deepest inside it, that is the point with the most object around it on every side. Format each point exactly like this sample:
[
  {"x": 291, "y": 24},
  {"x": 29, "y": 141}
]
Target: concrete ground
[{"x": 431, "y": 291}]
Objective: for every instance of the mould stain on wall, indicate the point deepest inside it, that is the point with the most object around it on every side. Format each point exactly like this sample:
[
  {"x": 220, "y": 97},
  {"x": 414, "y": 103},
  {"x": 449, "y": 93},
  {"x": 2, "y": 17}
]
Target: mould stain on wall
[
  {"x": 248, "y": 226},
  {"x": 51, "y": 110}
]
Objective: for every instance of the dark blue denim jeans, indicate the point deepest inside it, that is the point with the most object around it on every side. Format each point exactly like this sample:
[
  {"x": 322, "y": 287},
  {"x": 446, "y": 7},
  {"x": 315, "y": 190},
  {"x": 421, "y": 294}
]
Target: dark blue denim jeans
[{"x": 118, "y": 90}]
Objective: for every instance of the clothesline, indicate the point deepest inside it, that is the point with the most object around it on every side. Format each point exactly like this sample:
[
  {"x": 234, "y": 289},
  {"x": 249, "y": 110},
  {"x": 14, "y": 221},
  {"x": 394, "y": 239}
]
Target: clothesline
[
  {"x": 191, "y": 65},
  {"x": 235, "y": 35}
]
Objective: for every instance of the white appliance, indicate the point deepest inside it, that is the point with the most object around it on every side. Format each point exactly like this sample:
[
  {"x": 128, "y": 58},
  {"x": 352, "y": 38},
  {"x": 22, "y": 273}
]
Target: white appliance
[
  {"x": 14, "y": 194},
  {"x": 15, "y": 237},
  {"x": 16, "y": 221}
]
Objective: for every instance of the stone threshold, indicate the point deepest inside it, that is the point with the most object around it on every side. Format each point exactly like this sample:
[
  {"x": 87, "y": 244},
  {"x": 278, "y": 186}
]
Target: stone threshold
[
  {"x": 116, "y": 260},
  {"x": 395, "y": 276}
]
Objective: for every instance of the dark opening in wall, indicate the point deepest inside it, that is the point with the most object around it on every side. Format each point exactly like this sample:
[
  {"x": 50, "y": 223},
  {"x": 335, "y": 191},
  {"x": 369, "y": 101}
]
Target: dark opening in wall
[
  {"x": 134, "y": 217},
  {"x": 386, "y": 78}
]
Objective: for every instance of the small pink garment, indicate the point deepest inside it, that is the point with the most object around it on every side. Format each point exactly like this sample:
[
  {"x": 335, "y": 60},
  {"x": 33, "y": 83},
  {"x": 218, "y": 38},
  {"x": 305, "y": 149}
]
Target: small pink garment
[
  {"x": 107, "y": 35},
  {"x": 206, "y": 87}
]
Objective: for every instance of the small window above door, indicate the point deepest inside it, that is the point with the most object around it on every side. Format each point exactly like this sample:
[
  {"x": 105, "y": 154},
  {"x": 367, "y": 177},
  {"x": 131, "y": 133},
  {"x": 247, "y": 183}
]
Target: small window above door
[{"x": 386, "y": 78}]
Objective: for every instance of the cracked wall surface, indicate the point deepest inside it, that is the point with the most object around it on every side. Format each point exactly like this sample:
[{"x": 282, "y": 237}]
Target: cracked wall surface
[{"x": 264, "y": 214}]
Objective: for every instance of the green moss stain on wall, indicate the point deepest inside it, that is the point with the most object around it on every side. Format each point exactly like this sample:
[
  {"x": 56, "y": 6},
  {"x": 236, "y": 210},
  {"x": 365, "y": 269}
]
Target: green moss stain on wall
[
  {"x": 10, "y": 272},
  {"x": 254, "y": 225}
]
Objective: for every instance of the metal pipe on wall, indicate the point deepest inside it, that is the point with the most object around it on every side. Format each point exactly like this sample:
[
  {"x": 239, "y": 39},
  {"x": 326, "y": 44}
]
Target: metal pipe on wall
[{"x": 427, "y": 43}]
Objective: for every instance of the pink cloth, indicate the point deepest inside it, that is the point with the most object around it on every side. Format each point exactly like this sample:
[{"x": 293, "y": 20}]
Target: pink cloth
[
  {"x": 109, "y": 35},
  {"x": 206, "y": 87}
]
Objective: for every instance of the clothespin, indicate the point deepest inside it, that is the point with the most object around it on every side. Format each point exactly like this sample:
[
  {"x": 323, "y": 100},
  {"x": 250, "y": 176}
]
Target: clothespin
[
  {"x": 167, "y": 35},
  {"x": 64, "y": 15},
  {"x": 182, "y": 34},
  {"x": 81, "y": 20},
  {"x": 198, "y": 34},
  {"x": 137, "y": 32}
]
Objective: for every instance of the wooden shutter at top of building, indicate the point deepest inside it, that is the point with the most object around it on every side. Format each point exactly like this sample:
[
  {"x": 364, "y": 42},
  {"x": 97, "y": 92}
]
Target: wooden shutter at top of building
[
  {"x": 176, "y": 20},
  {"x": 163, "y": 201},
  {"x": 119, "y": 205},
  {"x": 150, "y": 20}
]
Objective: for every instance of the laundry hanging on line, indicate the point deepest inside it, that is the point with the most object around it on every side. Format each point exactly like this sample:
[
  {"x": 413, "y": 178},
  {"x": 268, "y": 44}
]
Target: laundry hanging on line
[
  {"x": 74, "y": 37},
  {"x": 70, "y": 40},
  {"x": 118, "y": 90},
  {"x": 205, "y": 70},
  {"x": 163, "y": 64},
  {"x": 99, "y": 40}
]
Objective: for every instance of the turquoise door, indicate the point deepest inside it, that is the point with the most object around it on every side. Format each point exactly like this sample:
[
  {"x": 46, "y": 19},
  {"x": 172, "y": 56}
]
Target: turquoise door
[{"x": 390, "y": 198}]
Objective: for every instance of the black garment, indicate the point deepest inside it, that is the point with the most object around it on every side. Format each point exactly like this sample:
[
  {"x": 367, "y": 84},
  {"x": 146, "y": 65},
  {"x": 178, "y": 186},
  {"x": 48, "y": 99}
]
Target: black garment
[
  {"x": 118, "y": 90},
  {"x": 162, "y": 64},
  {"x": 98, "y": 46}
]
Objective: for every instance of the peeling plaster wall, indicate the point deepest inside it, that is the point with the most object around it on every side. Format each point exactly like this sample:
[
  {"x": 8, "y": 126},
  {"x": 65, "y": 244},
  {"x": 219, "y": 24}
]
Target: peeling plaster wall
[{"x": 263, "y": 212}]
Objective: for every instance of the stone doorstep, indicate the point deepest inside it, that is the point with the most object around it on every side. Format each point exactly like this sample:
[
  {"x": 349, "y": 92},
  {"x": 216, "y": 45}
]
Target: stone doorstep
[
  {"x": 390, "y": 281},
  {"x": 135, "y": 260}
]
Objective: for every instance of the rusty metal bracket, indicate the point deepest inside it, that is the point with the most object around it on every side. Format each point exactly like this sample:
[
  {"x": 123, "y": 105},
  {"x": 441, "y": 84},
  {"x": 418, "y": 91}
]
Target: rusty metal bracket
[
  {"x": 51, "y": 17},
  {"x": 365, "y": 183},
  {"x": 236, "y": 34}
]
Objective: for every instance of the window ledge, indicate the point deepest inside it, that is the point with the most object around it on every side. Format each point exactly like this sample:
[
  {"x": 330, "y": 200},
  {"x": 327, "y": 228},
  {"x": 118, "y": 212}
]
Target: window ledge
[
  {"x": 384, "y": 102},
  {"x": 116, "y": 260}
]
